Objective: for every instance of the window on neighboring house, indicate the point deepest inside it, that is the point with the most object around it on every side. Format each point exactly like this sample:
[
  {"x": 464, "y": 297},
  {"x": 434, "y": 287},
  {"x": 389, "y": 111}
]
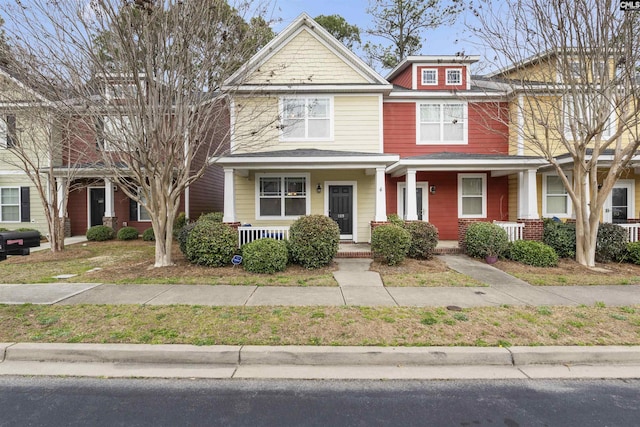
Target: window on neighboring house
[
  {"x": 574, "y": 113},
  {"x": 556, "y": 201},
  {"x": 137, "y": 212},
  {"x": 577, "y": 70},
  {"x": 429, "y": 76},
  {"x": 282, "y": 196},
  {"x": 454, "y": 77},
  {"x": 442, "y": 123},
  {"x": 8, "y": 131},
  {"x": 112, "y": 131},
  {"x": 10, "y": 204},
  {"x": 306, "y": 118},
  {"x": 472, "y": 195}
]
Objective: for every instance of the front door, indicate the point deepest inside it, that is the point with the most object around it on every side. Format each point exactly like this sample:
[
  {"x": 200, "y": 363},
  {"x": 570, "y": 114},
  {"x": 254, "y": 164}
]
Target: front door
[
  {"x": 341, "y": 208},
  {"x": 96, "y": 206},
  {"x": 619, "y": 205}
]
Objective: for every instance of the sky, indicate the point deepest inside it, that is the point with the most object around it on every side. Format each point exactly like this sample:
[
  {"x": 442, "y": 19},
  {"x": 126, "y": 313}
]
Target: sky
[{"x": 445, "y": 40}]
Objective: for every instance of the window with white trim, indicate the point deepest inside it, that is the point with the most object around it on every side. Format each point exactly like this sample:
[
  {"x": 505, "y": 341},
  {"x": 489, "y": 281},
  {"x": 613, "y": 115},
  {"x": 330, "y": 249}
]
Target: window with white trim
[
  {"x": 454, "y": 76},
  {"x": 282, "y": 196},
  {"x": 8, "y": 131},
  {"x": 113, "y": 132},
  {"x": 143, "y": 214},
  {"x": 472, "y": 195},
  {"x": 573, "y": 113},
  {"x": 429, "y": 76},
  {"x": 442, "y": 123},
  {"x": 306, "y": 118},
  {"x": 10, "y": 204},
  {"x": 555, "y": 198}
]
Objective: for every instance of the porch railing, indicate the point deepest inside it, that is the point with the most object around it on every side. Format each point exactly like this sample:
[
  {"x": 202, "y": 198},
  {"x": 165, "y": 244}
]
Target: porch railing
[
  {"x": 247, "y": 233},
  {"x": 515, "y": 230},
  {"x": 632, "y": 230}
]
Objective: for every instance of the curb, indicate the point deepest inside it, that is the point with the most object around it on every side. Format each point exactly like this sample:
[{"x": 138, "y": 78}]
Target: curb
[{"x": 184, "y": 354}]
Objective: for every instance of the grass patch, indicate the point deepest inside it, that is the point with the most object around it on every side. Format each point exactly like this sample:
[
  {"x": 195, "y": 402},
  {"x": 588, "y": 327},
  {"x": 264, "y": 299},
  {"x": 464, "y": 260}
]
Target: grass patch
[
  {"x": 422, "y": 273},
  {"x": 383, "y": 326}
]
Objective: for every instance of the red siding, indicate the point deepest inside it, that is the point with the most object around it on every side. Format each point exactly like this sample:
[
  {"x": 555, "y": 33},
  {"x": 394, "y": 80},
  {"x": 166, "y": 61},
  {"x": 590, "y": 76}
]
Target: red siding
[
  {"x": 442, "y": 77},
  {"x": 487, "y": 133},
  {"x": 404, "y": 79},
  {"x": 443, "y": 205}
]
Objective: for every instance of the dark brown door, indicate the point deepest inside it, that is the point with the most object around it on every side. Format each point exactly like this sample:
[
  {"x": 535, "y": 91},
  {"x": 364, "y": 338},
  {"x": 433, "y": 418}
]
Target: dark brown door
[{"x": 341, "y": 207}]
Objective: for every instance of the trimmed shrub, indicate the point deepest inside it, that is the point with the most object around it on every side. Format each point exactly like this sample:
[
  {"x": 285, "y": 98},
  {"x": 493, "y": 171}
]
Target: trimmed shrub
[
  {"x": 127, "y": 233},
  {"x": 611, "y": 244},
  {"x": 183, "y": 236},
  {"x": 212, "y": 244},
  {"x": 486, "y": 239},
  {"x": 212, "y": 216},
  {"x": 265, "y": 256},
  {"x": 395, "y": 219},
  {"x": 148, "y": 235},
  {"x": 28, "y": 229},
  {"x": 561, "y": 237},
  {"x": 100, "y": 233},
  {"x": 313, "y": 240},
  {"x": 390, "y": 243},
  {"x": 633, "y": 253},
  {"x": 533, "y": 253},
  {"x": 424, "y": 239}
]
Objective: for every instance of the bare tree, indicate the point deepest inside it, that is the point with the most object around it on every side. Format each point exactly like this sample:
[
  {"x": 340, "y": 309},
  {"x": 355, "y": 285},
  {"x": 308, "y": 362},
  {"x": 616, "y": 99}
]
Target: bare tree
[
  {"x": 571, "y": 67},
  {"x": 147, "y": 74}
]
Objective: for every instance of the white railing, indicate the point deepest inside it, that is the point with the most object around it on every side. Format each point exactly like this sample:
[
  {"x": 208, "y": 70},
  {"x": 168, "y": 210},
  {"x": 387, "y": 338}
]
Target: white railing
[
  {"x": 247, "y": 233},
  {"x": 515, "y": 230},
  {"x": 632, "y": 230}
]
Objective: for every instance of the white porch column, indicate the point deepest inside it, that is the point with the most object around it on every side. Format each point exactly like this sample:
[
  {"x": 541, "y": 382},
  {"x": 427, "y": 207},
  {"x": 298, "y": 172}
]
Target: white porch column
[
  {"x": 527, "y": 195},
  {"x": 229, "y": 196},
  {"x": 60, "y": 185},
  {"x": 109, "y": 210},
  {"x": 412, "y": 203},
  {"x": 381, "y": 196}
]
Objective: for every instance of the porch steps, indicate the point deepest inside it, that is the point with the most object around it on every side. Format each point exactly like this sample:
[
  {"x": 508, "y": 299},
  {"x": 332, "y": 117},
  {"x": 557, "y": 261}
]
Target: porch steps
[{"x": 362, "y": 250}]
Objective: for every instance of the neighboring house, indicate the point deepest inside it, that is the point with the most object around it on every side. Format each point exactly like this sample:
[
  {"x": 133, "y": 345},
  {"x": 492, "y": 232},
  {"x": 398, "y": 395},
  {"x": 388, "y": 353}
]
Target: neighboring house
[
  {"x": 20, "y": 205},
  {"x": 307, "y": 135}
]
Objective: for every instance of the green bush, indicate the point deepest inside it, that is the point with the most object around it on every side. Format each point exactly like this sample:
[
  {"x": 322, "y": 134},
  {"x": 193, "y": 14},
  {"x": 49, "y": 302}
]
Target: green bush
[
  {"x": 633, "y": 253},
  {"x": 148, "y": 235},
  {"x": 100, "y": 233},
  {"x": 179, "y": 223},
  {"x": 395, "y": 220},
  {"x": 424, "y": 239},
  {"x": 212, "y": 244},
  {"x": 265, "y": 256},
  {"x": 486, "y": 239},
  {"x": 611, "y": 243},
  {"x": 212, "y": 216},
  {"x": 183, "y": 236},
  {"x": 533, "y": 253},
  {"x": 561, "y": 237},
  {"x": 127, "y": 233},
  {"x": 390, "y": 243},
  {"x": 313, "y": 240},
  {"x": 28, "y": 229}
]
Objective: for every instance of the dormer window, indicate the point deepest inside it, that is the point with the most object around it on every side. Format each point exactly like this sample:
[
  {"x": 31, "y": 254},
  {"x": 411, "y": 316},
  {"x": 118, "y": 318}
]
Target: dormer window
[
  {"x": 454, "y": 77},
  {"x": 429, "y": 76}
]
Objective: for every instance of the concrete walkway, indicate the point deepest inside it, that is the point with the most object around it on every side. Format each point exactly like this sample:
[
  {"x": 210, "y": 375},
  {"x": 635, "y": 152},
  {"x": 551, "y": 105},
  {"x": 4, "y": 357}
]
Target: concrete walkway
[{"x": 358, "y": 287}]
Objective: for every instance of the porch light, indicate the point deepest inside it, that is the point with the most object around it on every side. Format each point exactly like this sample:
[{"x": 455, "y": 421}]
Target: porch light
[
  {"x": 432, "y": 189},
  {"x": 319, "y": 189}
]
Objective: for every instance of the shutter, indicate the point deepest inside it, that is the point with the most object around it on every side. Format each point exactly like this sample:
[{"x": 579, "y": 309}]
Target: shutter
[
  {"x": 133, "y": 210},
  {"x": 12, "y": 136},
  {"x": 25, "y": 207},
  {"x": 99, "y": 123}
]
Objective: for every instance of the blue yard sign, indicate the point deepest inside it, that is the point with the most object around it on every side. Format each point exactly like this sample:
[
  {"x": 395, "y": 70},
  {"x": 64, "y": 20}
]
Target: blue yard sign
[{"x": 236, "y": 260}]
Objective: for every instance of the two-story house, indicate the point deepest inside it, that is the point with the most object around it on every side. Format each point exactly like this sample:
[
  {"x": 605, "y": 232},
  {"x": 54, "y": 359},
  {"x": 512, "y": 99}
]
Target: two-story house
[{"x": 307, "y": 135}]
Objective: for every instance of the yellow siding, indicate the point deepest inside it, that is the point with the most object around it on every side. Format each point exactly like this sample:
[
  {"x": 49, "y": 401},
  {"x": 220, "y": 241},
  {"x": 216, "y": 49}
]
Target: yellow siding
[
  {"x": 544, "y": 71},
  {"x": 38, "y": 219},
  {"x": 513, "y": 197},
  {"x": 365, "y": 204},
  {"x": 305, "y": 60},
  {"x": 356, "y": 126},
  {"x": 31, "y": 134},
  {"x": 12, "y": 92}
]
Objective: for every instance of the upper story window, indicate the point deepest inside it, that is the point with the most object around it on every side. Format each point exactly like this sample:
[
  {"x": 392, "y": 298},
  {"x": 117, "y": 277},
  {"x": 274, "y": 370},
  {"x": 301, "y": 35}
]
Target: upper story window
[
  {"x": 454, "y": 76},
  {"x": 580, "y": 114},
  {"x": 121, "y": 91},
  {"x": 112, "y": 131},
  {"x": 579, "y": 69},
  {"x": 307, "y": 119},
  {"x": 429, "y": 76},
  {"x": 8, "y": 135},
  {"x": 442, "y": 123}
]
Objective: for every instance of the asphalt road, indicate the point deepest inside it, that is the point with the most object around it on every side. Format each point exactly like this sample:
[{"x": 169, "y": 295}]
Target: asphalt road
[{"x": 46, "y": 401}]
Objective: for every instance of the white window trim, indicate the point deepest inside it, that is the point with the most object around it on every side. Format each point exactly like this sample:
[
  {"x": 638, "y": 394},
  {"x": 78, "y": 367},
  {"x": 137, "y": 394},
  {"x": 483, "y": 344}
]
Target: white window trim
[
  {"x": 425, "y": 199},
  {"x": 422, "y": 76},
  {"x": 446, "y": 74},
  {"x": 606, "y": 133},
  {"x": 139, "y": 207},
  {"x": 546, "y": 214},
  {"x": 307, "y": 178},
  {"x": 282, "y": 138},
  {"x": 461, "y": 176},
  {"x": 465, "y": 124},
  {"x": 19, "y": 205}
]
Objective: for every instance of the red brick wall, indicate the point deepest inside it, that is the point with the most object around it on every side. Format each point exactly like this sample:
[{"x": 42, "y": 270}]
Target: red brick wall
[{"x": 533, "y": 229}]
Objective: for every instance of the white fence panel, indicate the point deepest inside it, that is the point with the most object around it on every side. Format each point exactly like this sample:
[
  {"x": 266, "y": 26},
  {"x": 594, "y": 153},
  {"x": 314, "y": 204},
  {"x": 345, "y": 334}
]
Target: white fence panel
[
  {"x": 248, "y": 233},
  {"x": 632, "y": 230},
  {"x": 515, "y": 230}
]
